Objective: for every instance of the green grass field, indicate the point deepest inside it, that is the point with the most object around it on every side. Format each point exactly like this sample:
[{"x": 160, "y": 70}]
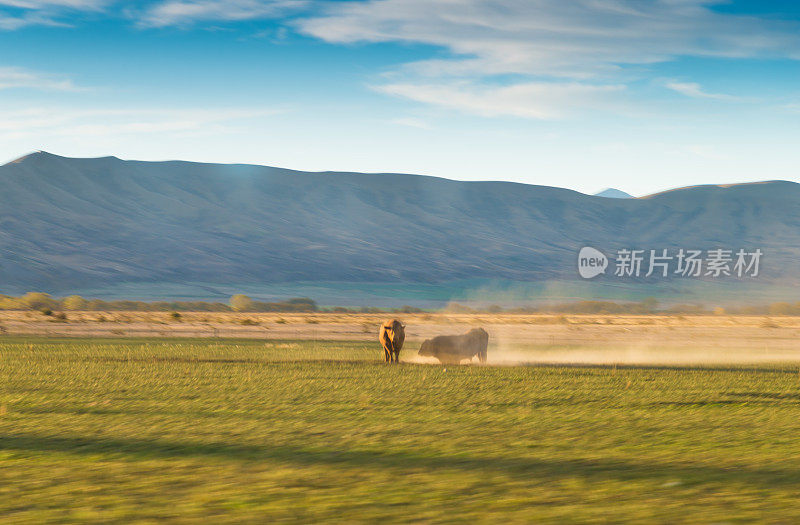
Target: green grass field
[{"x": 232, "y": 431}]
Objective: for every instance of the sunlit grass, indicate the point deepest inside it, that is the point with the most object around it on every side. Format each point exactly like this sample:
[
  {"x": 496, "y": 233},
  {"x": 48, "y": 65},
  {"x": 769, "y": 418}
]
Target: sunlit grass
[{"x": 204, "y": 430}]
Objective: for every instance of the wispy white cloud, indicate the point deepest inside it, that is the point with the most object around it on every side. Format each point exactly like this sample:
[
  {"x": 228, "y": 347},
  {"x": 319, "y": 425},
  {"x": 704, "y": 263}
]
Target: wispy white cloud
[
  {"x": 555, "y": 57},
  {"x": 88, "y": 123},
  {"x": 25, "y": 13},
  {"x": 155, "y": 13},
  {"x": 37, "y": 5},
  {"x": 188, "y": 12},
  {"x": 575, "y": 39},
  {"x": 13, "y": 77},
  {"x": 694, "y": 90},
  {"x": 11, "y": 23},
  {"x": 560, "y": 51},
  {"x": 537, "y": 100}
]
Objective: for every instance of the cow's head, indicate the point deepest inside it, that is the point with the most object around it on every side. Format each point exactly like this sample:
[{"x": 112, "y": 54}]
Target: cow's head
[{"x": 425, "y": 349}]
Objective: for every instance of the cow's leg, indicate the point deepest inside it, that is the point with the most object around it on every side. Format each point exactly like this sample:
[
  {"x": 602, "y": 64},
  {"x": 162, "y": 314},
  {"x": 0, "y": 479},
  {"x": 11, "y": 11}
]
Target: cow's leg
[
  {"x": 396, "y": 356},
  {"x": 386, "y": 341}
]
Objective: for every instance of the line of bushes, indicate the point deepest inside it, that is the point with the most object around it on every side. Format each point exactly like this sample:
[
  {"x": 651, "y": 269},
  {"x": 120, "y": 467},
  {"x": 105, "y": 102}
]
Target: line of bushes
[
  {"x": 238, "y": 303},
  {"x": 242, "y": 303}
]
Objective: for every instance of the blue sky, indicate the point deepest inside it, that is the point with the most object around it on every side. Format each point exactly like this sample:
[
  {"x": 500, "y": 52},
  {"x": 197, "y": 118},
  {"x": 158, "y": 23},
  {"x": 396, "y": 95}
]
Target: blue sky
[{"x": 635, "y": 94}]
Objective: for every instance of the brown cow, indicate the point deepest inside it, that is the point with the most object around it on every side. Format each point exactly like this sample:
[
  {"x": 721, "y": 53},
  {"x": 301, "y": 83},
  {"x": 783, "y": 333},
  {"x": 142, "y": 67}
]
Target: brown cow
[
  {"x": 391, "y": 335},
  {"x": 452, "y": 349}
]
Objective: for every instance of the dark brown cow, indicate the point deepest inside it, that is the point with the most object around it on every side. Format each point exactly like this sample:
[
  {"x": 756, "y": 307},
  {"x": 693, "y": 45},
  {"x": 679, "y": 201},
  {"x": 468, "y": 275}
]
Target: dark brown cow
[
  {"x": 391, "y": 335},
  {"x": 452, "y": 349}
]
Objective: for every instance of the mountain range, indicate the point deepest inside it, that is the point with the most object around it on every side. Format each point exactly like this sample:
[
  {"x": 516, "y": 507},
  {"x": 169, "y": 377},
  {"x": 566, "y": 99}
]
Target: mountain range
[{"x": 69, "y": 224}]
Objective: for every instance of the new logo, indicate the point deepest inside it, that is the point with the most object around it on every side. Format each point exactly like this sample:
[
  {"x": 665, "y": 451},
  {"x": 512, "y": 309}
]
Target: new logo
[{"x": 591, "y": 262}]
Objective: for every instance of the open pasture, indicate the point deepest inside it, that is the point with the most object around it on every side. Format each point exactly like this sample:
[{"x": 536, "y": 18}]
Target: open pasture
[{"x": 191, "y": 430}]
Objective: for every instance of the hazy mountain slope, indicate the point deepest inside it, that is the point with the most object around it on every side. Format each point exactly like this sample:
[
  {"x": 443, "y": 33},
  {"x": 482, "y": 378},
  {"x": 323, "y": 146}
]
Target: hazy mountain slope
[{"x": 67, "y": 223}]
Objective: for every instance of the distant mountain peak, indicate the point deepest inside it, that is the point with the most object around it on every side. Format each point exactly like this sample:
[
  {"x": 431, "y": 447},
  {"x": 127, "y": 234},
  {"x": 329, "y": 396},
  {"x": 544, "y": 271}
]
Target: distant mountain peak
[
  {"x": 30, "y": 156},
  {"x": 41, "y": 155},
  {"x": 613, "y": 193}
]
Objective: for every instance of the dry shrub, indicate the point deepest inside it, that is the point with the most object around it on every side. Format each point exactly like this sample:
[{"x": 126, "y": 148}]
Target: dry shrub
[{"x": 769, "y": 323}]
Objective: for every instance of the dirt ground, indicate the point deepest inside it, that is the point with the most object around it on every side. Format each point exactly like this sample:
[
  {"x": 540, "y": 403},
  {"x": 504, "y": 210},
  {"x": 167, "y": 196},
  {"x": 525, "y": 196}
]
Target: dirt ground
[{"x": 514, "y": 338}]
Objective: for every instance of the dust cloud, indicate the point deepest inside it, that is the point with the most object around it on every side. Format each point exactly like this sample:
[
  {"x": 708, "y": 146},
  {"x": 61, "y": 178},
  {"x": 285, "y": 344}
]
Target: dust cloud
[
  {"x": 641, "y": 356},
  {"x": 696, "y": 342}
]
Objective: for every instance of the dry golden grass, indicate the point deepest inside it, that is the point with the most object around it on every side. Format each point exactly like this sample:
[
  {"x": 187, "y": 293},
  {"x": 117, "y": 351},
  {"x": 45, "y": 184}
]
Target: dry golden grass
[{"x": 558, "y": 338}]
